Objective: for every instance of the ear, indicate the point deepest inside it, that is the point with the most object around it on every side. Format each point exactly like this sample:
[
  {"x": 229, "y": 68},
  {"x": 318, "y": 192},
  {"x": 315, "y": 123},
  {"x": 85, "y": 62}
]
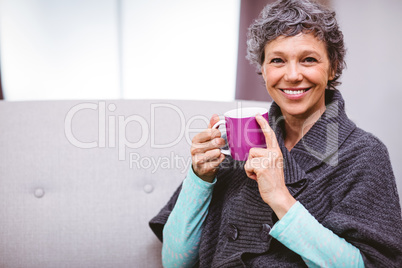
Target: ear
[
  {"x": 332, "y": 72},
  {"x": 263, "y": 72}
]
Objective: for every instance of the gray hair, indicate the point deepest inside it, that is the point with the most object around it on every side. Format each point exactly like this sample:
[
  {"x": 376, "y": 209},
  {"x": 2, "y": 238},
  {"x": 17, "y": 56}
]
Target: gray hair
[{"x": 291, "y": 17}]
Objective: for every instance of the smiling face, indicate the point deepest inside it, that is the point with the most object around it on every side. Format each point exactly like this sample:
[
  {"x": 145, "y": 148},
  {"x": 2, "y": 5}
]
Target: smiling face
[{"x": 296, "y": 70}]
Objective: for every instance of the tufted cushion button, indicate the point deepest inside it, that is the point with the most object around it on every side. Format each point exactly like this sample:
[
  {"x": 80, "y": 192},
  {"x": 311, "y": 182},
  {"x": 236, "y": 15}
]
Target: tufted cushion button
[
  {"x": 39, "y": 193},
  {"x": 232, "y": 232},
  {"x": 265, "y": 229},
  {"x": 148, "y": 188}
]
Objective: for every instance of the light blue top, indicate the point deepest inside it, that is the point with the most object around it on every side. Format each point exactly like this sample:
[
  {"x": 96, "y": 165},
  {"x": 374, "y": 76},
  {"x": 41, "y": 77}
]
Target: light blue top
[
  {"x": 298, "y": 230},
  {"x": 318, "y": 246},
  {"x": 182, "y": 231}
]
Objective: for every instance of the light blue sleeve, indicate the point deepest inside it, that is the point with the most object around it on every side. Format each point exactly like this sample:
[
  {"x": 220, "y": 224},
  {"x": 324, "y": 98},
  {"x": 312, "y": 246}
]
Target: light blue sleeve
[
  {"x": 299, "y": 231},
  {"x": 182, "y": 231}
]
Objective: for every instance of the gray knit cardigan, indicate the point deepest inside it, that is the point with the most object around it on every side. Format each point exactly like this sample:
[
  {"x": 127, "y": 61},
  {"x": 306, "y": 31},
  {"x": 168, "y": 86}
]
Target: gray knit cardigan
[{"x": 340, "y": 173}]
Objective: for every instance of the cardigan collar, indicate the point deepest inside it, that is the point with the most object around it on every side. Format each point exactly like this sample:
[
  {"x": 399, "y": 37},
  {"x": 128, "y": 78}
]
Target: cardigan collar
[{"x": 320, "y": 144}]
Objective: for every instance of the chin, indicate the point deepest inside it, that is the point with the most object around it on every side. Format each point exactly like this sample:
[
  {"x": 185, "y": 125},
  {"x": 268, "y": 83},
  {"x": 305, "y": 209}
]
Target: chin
[{"x": 294, "y": 109}]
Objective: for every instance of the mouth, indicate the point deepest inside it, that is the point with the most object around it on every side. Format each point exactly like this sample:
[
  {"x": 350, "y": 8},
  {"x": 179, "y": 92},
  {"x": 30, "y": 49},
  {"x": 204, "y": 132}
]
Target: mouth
[{"x": 295, "y": 91}]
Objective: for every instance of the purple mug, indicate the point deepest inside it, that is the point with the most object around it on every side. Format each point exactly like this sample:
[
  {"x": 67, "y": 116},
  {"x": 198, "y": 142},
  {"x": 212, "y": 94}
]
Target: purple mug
[{"x": 242, "y": 131}]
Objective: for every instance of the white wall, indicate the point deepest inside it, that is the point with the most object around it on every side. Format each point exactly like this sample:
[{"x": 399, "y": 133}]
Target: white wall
[
  {"x": 372, "y": 85},
  {"x": 99, "y": 49},
  {"x": 180, "y": 49},
  {"x": 58, "y": 49}
]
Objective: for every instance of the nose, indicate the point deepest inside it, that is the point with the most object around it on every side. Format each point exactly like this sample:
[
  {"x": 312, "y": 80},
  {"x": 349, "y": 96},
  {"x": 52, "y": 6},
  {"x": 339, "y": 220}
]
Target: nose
[{"x": 293, "y": 74}]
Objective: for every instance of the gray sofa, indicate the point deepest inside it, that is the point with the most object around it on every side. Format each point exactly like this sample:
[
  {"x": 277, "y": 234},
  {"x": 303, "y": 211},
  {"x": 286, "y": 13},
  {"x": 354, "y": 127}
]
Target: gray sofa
[{"x": 79, "y": 180}]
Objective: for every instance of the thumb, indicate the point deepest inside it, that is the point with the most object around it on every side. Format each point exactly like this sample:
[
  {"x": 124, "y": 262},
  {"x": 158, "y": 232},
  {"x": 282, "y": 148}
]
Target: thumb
[
  {"x": 270, "y": 138},
  {"x": 214, "y": 119}
]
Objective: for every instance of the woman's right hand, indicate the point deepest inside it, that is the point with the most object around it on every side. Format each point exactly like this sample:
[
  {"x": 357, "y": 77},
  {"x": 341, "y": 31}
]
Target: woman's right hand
[{"x": 205, "y": 151}]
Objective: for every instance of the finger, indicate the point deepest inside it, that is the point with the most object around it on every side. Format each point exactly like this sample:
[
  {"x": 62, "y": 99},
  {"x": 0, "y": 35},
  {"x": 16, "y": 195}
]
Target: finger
[
  {"x": 270, "y": 138},
  {"x": 201, "y": 148},
  {"x": 214, "y": 163},
  {"x": 207, "y": 164},
  {"x": 214, "y": 119},
  {"x": 212, "y": 155},
  {"x": 206, "y": 135},
  {"x": 250, "y": 170},
  {"x": 202, "y": 158},
  {"x": 257, "y": 152},
  {"x": 213, "y": 166}
]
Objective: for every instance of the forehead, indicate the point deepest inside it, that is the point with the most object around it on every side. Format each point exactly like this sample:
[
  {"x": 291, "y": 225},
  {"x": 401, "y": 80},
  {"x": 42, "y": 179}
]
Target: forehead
[{"x": 295, "y": 44}]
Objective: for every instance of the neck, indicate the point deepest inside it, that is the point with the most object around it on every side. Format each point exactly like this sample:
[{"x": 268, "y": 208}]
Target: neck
[{"x": 297, "y": 127}]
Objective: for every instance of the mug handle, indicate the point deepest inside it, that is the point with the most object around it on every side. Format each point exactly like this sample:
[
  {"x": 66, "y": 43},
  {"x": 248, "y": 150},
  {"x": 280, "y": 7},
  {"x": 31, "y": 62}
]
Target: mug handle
[{"x": 223, "y": 135}]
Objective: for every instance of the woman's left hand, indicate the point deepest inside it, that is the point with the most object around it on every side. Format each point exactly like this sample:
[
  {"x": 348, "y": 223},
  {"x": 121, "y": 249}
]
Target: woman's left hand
[{"x": 266, "y": 167}]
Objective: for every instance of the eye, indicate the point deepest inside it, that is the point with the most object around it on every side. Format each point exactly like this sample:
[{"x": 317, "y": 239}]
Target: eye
[
  {"x": 276, "y": 60},
  {"x": 310, "y": 60}
]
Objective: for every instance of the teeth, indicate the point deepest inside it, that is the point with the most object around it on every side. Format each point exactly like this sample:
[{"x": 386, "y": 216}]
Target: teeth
[{"x": 294, "y": 92}]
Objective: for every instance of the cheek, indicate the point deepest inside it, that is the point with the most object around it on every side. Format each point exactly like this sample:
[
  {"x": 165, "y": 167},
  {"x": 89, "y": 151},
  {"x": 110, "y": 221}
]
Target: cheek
[
  {"x": 318, "y": 76},
  {"x": 272, "y": 76}
]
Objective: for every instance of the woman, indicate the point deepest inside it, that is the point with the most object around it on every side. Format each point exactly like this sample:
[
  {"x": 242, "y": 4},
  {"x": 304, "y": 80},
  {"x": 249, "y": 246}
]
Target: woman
[{"x": 322, "y": 194}]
